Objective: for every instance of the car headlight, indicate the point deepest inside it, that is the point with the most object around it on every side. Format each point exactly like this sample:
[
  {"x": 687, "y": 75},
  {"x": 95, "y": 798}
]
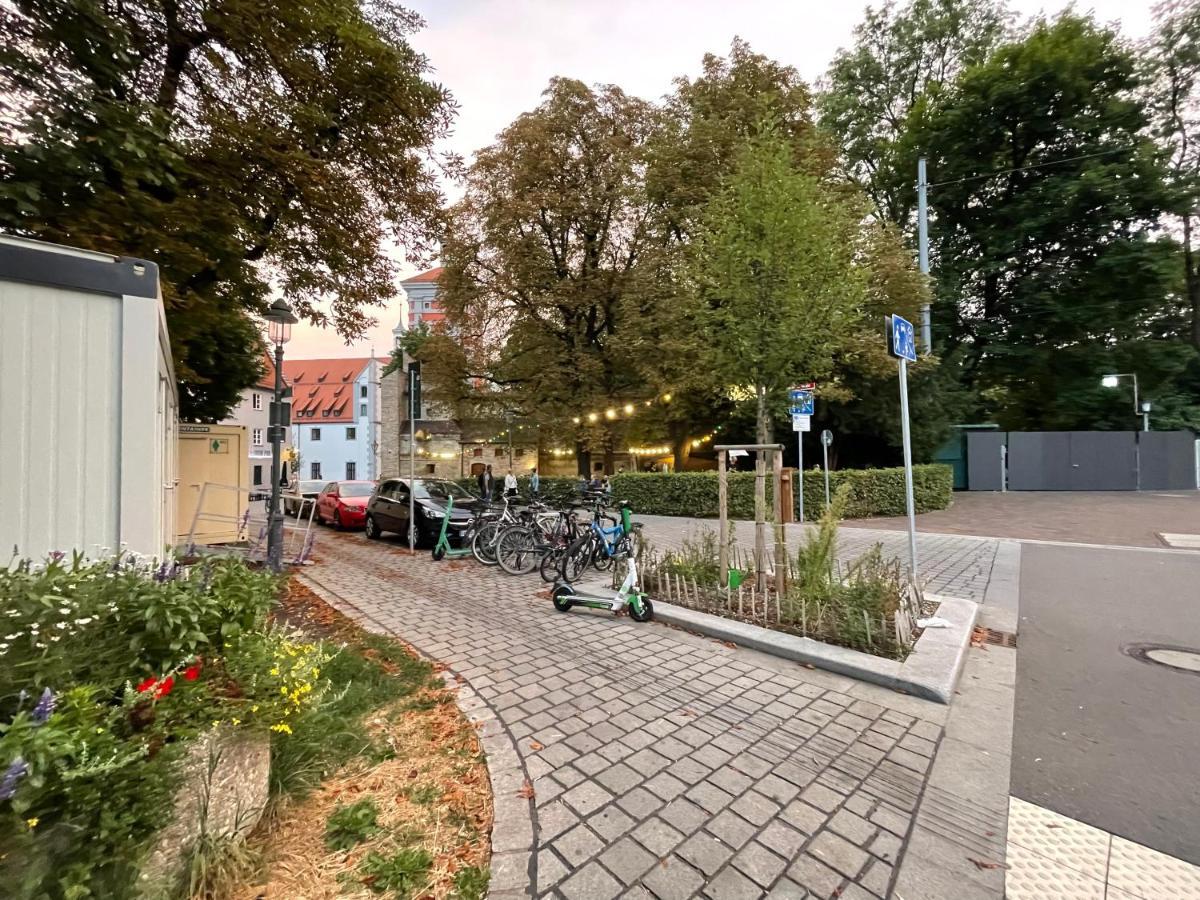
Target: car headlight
[{"x": 432, "y": 513}]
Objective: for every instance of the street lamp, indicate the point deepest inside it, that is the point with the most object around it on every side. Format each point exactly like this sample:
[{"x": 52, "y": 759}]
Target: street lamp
[
  {"x": 280, "y": 320},
  {"x": 1139, "y": 409}
]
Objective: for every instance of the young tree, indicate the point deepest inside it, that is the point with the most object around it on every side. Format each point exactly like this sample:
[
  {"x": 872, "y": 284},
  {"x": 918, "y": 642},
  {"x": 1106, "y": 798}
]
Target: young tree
[
  {"x": 777, "y": 281},
  {"x": 245, "y": 148}
]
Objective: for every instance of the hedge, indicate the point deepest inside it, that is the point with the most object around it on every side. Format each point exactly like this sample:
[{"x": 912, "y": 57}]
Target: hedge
[{"x": 873, "y": 492}]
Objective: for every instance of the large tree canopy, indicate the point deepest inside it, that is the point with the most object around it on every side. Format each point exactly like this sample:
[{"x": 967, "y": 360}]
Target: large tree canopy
[{"x": 243, "y": 147}]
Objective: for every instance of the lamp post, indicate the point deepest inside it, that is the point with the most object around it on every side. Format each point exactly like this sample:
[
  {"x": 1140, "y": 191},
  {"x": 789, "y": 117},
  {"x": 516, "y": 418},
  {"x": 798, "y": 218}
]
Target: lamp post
[
  {"x": 1139, "y": 409},
  {"x": 280, "y": 320}
]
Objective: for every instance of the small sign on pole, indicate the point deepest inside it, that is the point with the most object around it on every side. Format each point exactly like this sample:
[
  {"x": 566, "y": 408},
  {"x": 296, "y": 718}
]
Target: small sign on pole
[
  {"x": 801, "y": 423},
  {"x": 902, "y": 345}
]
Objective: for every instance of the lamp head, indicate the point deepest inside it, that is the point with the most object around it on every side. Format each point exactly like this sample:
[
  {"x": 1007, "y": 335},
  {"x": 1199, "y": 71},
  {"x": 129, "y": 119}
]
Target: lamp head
[
  {"x": 1110, "y": 381},
  {"x": 280, "y": 320}
]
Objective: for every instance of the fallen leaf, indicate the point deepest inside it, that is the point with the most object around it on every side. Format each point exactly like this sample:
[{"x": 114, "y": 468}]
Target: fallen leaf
[
  {"x": 984, "y": 864},
  {"x": 808, "y": 665},
  {"x": 526, "y": 790},
  {"x": 535, "y": 746}
]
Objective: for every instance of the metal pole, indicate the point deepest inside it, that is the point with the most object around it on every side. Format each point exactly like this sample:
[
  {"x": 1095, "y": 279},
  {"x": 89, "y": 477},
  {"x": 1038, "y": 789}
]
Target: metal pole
[
  {"x": 923, "y": 251},
  {"x": 1145, "y": 421},
  {"x": 1003, "y": 469},
  {"x": 908, "y": 483},
  {"x": 412, "y": 460},
  {"x": 508, "y": 419},
  {"x": 723, "y": 522},
  {"x": 800, "y": 471},
  {"x": 825, "y": 454},
  {"x": 274, "y": 519}
]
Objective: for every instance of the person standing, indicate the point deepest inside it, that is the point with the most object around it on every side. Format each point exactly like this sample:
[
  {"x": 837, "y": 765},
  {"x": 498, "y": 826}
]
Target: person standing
[
  {"x": 485, "y": 483},
  {"x": 510, "y": 484},
  {"x": 535, "y": 482}
]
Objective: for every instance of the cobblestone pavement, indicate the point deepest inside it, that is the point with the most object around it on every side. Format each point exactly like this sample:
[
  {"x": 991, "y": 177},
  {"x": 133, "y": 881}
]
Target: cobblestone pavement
[
  {"x": 948, "y": 564},
  {"x": 662, "y": 764}
]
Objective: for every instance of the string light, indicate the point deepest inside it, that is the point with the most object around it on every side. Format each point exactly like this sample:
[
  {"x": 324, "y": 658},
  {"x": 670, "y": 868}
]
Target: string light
[
  {"x": 649, "y": 451},
  {"x": 629, "y": 409}
]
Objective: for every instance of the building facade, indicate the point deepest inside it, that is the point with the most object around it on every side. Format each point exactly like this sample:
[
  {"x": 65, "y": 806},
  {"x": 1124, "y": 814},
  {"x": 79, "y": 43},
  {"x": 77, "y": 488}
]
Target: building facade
[
  {"x": 253, "y": 413},
  {"x": 336, "y": 424}
]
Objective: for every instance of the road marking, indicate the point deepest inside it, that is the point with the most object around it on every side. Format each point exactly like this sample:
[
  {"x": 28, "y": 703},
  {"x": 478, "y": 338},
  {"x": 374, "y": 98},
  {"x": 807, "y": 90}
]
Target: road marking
[{"x": 1181, "y": 541}]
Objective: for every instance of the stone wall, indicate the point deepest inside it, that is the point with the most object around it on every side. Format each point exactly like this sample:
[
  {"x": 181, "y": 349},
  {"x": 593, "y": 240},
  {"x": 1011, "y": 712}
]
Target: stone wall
[{"x": 391, "y": 403}]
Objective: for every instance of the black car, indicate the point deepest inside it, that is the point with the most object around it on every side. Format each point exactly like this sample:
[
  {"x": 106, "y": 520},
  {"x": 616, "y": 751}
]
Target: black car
[{"x": 387, "y": 510}]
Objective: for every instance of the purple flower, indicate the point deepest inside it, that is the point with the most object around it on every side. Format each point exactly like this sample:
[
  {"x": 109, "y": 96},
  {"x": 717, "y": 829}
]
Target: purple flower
[
  {"x": 56, "y": 555},
  {"x": 14, "y": 773},
  {"x": 44, "y": 708},
  {"x": 161, "y": 575}
]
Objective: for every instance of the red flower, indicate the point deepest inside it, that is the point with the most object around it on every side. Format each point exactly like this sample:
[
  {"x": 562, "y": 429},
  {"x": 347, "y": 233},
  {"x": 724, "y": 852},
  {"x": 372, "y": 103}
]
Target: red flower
[
  {"x": 164, "y": 687},
  {"x": 147, "y": 684},
  {"x": 192, "y": 672}
]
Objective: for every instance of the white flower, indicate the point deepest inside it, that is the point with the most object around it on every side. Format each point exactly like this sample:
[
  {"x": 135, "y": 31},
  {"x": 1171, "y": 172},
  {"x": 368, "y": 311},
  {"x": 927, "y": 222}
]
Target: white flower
[
  {"x": 54, "y": 638},
  {"x": 12, "y": 637},
  {"x": 86, "y": 620}
]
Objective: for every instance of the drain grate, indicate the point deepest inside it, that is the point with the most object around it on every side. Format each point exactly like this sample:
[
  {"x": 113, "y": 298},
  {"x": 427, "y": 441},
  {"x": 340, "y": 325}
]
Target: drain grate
[{"x": 992, "y": 636}]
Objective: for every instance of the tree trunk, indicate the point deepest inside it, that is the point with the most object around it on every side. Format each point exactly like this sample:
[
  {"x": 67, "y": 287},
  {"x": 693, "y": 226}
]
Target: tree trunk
[
  {"x": 679, "y": 445},
  {"x": 1191, "y": 279},
  {"x": 763, "y": 417},
  {"x": 583, "y": 460}
]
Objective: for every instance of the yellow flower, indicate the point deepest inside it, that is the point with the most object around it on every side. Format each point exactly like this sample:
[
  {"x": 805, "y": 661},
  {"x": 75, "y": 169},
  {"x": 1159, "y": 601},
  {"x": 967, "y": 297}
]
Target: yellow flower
[
  {"x": 99, "y": 731},
  {"x": 275, "y": 671},
  {"x": 282, "y": 727},
  {"x": 283, "y": 690},
  {"x": 254, "y": 708},
  {"x": 236, "y": 721},
  {"x": 216, "y": 723},
  {"x": 32, "y": 823}
]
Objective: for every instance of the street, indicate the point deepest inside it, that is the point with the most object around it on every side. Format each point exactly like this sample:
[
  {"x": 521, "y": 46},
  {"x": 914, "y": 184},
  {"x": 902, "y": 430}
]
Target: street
[{"x": 1100, "y": 736}]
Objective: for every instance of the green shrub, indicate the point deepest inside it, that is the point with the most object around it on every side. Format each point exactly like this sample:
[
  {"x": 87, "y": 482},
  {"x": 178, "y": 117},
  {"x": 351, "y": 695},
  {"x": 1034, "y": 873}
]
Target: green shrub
[
  {"x": 401, "y": 873},
  {"x": 350, "y": 825},
  {"x": 470, "y": 883},
  {"x": 872, "y": 492}
]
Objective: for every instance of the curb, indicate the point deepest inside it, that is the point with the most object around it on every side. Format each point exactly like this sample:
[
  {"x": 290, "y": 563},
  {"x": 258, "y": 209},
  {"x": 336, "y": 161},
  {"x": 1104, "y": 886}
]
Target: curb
[
  {"x": 930, "y": 671},
  {"x": 513, "y": 862}
]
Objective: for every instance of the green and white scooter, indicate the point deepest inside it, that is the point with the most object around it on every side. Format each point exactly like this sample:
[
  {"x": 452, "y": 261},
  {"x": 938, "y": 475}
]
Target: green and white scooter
[
  {"x": 442, "y": 548},
  {"x": 640, "y": 608}
]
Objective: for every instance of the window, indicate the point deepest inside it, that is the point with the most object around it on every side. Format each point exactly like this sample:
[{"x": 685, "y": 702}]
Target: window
[
  {"x": 520, "y": 451},
  {"x": 499, "y": 452},
  {"x": 362, "y": 410},
  {"x": 315, "y": 434},
  {"x": 256, "y": 437},
  {"x": 351, "y": 471},
  {"x": 430, "y": 468},
  {"x": 256, "y": 400},
  {"x": 478, "y": 451},
  {"x": 314, "y": 471},
  {"x": 257, "y": 475},
  {"x": 362, "y": 391},
  {"x": 351, "y": 434}
]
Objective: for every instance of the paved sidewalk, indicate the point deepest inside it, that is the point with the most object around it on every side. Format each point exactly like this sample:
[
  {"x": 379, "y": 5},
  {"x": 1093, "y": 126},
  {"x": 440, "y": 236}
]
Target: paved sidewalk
[
  {"x": 664, "y": 764},
  {"x": 956, "y": 566}
]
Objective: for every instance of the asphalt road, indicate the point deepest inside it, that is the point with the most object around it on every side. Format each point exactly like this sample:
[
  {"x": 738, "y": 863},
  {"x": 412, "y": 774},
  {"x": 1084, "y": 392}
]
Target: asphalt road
[{"x": 1098, "y": 735}]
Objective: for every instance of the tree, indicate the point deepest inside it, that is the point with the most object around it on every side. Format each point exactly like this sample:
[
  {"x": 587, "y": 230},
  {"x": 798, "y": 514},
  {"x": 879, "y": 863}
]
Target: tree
[
  {"x": 777, "y": 283},
  {"x": 879, "y": 89},
  {"x": 1173, "y": 73},
  {"x": 1047, "y": 196},
  {"x": 245, "y": 148},
  {"x": 551, "y": 240}
]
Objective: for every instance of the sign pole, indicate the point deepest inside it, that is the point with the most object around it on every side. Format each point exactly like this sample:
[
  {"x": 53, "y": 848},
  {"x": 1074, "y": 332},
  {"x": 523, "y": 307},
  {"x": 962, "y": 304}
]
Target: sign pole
[
  {"x": 413, "y": 375},
  {"x": 825, "y": 454},
  {"x": 908, "y": 479},
  {"x": 800, "y": 471}
]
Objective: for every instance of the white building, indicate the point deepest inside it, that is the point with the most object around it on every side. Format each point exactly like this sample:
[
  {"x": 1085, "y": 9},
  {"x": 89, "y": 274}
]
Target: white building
[
  {"x": 88, "y": 401},
  {"x": 335, "y": 417},
  {"x": 421, "y": 293},
  {"x": 253, "y": 412}
]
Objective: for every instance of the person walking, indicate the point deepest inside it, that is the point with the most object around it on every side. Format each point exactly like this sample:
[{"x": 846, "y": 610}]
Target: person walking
[
  {"x": 486, "y": 483},
  {"x": 510, "y": 484},
  {"x": 535, "y": 482}
]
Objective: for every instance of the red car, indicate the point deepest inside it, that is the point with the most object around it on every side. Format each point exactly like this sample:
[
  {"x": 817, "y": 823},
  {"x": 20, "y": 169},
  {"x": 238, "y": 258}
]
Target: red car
[{"x": 343, "y": 504}]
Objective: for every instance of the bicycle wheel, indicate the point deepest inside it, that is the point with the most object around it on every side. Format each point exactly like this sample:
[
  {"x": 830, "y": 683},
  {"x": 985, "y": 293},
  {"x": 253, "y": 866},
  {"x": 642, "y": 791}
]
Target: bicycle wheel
[
  {"x": 549, "y": 565},
  {"x": 514, "y": 550},
  {"x": 483, "y": 546},
  {"x": 576, "y": 558}
]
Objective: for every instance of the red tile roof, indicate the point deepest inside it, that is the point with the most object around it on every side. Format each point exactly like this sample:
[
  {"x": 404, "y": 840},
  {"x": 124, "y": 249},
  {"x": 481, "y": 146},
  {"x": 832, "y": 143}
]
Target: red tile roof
[
  {"x": 323, "y": 389},
  {"x": 267, "y": 382},
  {"x": 425, "y": 277}
]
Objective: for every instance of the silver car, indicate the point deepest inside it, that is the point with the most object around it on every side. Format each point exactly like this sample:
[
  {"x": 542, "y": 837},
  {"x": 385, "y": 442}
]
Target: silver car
[{"x": 298, "y": 498}]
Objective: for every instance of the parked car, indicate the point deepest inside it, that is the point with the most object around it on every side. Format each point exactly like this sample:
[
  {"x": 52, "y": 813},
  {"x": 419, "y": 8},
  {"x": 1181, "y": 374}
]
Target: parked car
[
  {"x": 343, "y": 504},
  {"x": 294, "y": 496},
  {"x": 387, "y": 510}
]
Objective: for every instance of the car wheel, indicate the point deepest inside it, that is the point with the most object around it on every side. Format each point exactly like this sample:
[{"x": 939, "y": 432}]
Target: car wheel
[
  {"x": 337, "y": 521},
  {"x": 372, "y": 529}
]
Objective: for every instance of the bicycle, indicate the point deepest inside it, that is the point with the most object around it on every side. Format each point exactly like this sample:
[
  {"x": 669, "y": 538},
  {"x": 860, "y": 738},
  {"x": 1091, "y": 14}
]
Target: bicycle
[
  {"x": 519, "y": 547},
  {"x": 599, "y": 546},
  {"x": 483, "y": 544}
]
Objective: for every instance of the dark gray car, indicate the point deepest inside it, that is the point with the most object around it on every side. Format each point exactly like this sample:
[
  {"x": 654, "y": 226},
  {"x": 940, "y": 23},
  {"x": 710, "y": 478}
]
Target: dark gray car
[{"x": 387, "y": 510}]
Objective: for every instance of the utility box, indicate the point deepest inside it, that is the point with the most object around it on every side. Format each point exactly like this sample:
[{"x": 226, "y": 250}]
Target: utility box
[
  {"x": 87, "y": 400},
  {"x": 214, "y": 483}
]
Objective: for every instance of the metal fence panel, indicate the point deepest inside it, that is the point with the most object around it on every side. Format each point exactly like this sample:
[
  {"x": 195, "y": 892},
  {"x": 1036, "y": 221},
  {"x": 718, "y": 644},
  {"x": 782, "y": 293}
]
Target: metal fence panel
[
  {"x": 984, "y": 460},
  {"x": 1039, "y": 461},
  {"x": 1168, "y": 460},
  {"x": 1103, "y": 461}
]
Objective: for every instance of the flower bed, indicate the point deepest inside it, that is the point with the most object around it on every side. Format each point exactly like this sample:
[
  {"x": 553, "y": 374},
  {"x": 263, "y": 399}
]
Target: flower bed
[{"x": 113, "y": 671}]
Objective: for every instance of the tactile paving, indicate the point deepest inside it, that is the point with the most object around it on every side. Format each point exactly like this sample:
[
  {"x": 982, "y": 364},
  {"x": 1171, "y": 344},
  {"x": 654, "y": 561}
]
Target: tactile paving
[
  {"x": 1151, "y": 875},
  {"x": 1066, "y": 841},
  {"x": 1031, "y": 876}
]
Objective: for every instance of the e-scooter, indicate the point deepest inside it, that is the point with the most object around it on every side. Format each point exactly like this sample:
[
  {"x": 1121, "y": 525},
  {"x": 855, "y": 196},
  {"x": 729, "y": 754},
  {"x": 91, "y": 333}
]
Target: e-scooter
[
  {"x": 640, "y": 608},
  {"x": 442, "y": 548}
]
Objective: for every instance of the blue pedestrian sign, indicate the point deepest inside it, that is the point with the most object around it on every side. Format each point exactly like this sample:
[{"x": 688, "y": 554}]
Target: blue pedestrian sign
[
  {"x": 902, "y": 338},
  {"x": 801, "y": 400}
]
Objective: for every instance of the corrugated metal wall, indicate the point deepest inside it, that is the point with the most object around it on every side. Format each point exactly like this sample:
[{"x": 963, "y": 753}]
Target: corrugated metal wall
[{"x": 60, "y": 419}]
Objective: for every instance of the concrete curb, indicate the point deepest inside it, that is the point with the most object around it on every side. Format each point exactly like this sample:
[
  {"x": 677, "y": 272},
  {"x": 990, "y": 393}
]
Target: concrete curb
[
  {"x": 514, "y": 824},
  {"x": 930, "y": 672}
]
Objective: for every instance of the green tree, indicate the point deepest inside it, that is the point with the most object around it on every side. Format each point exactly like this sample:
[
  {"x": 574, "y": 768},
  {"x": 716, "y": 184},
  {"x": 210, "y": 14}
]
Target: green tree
[
  {"x": 778, "y": 285},
  {"x": 878, "y": 89},
  {"x": 550, "y": 242},
  {"x": 245, "y": 148},
  {"x": 1046, "y": 200}
]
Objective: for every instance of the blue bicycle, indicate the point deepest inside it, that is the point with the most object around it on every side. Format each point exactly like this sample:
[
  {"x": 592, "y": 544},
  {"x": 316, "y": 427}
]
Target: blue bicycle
[{"x": 601, "y": 543}]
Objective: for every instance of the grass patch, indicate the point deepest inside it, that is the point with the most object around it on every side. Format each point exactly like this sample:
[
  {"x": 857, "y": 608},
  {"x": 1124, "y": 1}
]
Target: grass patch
[
  {"x": 471, "y": 883},
  {"x": 402, "y": 874},
  {"x": 350, "y": 825}
]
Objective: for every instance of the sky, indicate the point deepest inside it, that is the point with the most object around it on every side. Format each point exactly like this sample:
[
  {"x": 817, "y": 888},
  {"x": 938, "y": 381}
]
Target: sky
[{"x": 497, "y": 56}]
